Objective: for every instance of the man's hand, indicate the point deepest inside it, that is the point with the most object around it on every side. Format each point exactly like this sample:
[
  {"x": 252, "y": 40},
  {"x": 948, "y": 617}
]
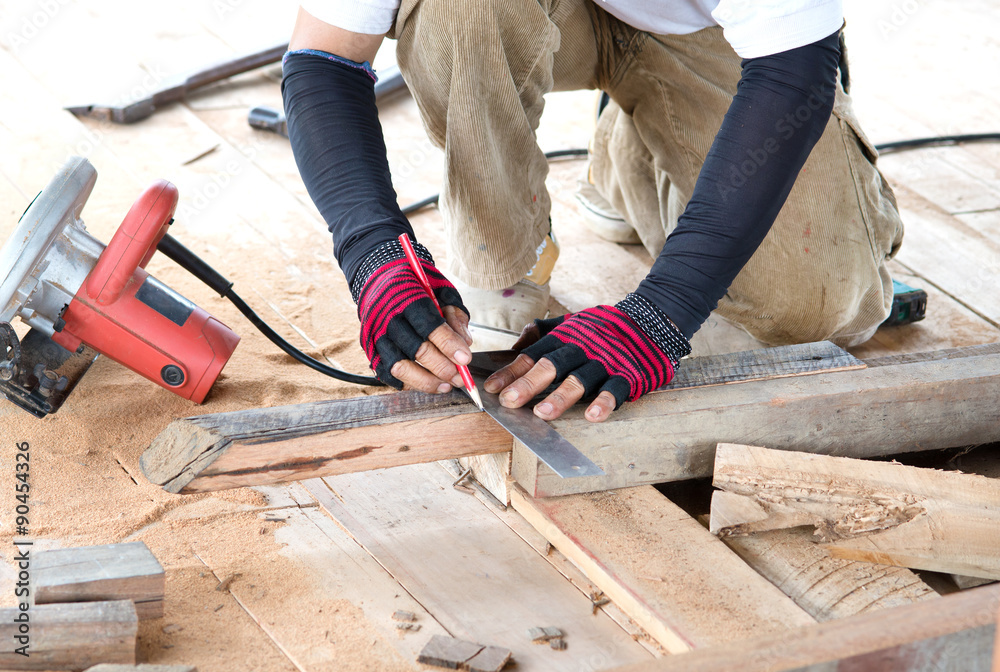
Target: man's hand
[
  {"x": 621, "y": 352},
  {"x": 409, "y": 344}
]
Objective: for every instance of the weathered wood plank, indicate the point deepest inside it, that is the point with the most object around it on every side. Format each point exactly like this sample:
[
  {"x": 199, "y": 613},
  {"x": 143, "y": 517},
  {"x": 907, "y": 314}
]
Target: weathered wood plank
[
  {"x": 953, "y": 634},
  {"x": 481, "y": 582},
  {"x": 290, "y": 443},
  {"x": 661, "y": 567},
  {"x": 872, "y": 511},
  {"x": 825, "y": 587},
  {"x": 875, "y": 411},
  {"x": 127, "y": 571},
  {"x": 70, "y": 636}
]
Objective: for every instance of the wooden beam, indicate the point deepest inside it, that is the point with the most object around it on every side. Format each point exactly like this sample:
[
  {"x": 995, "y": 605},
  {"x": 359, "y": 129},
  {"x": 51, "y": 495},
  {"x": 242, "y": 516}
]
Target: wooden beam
[
  {"x": 661, "y": 567},
  {"x": 325, "y": 438},
  {"x": 880, "y": 410},
  {"x": 97, "y": 573},
  {"x": 668, "y": 435},
  {"x": 954, "y": 633},
  {"x": 825, "y": 587},
  {"x": 69, "y": 636},
  {"x": 266, "y": 446},
  {"x": 872, "y": 511}
]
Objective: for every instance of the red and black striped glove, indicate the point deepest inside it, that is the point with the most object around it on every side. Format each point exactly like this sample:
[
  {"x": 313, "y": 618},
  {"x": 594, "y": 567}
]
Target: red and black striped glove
[
  {"x": 627, "y": 349},
  {"x": 396, "y": 314}
]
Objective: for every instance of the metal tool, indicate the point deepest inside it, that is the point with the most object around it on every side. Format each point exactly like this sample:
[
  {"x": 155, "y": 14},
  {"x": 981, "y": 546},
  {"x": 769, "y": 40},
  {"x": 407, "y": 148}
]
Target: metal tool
[
  {"x": 265, "y": 118},
  {"x": 80, "y": 298},
  {"x": 536, "y": 434},
  {"x": 131, "y": 112}
]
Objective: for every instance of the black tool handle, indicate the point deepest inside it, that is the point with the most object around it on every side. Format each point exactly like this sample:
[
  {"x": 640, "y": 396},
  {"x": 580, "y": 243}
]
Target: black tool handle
[{"x": 194, "y": 264}]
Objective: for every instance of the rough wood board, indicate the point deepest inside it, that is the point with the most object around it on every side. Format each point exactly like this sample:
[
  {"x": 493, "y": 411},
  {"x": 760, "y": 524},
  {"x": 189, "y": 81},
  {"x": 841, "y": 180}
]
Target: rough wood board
[
  {"x": 827, "y": 588},
  {"x": 872, "y": 511},
  {"x": 99, "y": 573},
  {"x": 447, "y": 652},
  {"x": 660, "y": 566},
  {"x": 71, "y": 636},
  {"x": 287, "y": 443},
  {"x": 324, "y": 566},
  {"x": 478, "y": 578},
  {"x": 262, "y": 446},
  {"x": 952, "y": 634},
  {"x": 493, "y": 471},
  {"x": 523, "y": 529},
  {"x": 875, "y": 411}
]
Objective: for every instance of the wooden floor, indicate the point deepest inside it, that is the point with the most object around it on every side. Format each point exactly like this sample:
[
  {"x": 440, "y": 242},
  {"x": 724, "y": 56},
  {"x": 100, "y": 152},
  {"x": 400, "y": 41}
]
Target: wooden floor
[{"x": 334, "y": 558}]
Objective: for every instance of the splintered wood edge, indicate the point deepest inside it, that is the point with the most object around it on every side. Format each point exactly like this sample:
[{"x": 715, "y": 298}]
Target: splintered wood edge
[{"x": 180, "y": 452}]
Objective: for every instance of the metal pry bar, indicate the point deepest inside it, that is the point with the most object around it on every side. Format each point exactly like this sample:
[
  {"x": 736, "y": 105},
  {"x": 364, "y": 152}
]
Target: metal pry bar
[{"x": 129, "y": 113}]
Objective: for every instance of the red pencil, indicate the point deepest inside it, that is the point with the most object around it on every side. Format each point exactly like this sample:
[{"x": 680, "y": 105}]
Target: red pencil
[{"x": 411, "y": 256}]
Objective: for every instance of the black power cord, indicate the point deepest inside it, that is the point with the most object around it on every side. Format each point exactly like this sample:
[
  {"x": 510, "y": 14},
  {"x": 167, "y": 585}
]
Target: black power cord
[{"x": 193, "y": 264}]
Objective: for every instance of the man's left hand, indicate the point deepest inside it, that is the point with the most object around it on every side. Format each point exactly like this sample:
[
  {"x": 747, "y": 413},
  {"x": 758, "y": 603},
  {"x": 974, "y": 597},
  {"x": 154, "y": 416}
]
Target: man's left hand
[{"x": 602, "y": 349}]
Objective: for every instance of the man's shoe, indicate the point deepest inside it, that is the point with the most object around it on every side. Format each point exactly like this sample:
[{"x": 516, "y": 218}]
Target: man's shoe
[
  {"x": 512, "y": 308},
  {"x": 601, "y": 217}
]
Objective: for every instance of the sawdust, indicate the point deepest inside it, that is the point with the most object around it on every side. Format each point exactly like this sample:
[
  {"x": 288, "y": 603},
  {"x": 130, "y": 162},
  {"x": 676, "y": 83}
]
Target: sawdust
[{"x": 87, "y": 487}]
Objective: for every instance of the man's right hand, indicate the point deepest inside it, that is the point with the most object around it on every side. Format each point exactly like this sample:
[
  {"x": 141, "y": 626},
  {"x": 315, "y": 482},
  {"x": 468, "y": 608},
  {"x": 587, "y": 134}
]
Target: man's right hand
[{"x": 409, "y": 344}]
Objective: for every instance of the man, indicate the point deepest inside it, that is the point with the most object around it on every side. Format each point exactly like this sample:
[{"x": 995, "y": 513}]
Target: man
[{"x": 699, "y": 150}]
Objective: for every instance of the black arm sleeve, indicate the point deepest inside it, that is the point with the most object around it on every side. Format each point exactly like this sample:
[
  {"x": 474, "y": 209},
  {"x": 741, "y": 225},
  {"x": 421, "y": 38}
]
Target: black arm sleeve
[
  {"x": 782, "y": 105},
  {"x": 339, "y": 149}
]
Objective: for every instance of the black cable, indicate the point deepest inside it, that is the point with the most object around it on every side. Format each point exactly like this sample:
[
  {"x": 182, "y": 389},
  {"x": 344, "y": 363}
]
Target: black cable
[
  {"x": 556, "y": 154},
  {"x": 945, "y": 140},
  {"x": 194, "y": 265},
  {"x": 291, "y": 350}
]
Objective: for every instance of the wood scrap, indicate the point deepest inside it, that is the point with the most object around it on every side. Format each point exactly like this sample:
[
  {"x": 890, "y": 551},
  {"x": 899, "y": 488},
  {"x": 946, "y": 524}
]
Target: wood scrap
[
  {"x": 289, "y": 443},
  {"x": 101, "y": 573},
  {"x": 458, "y": 654},
  {"x": 879, "y": 410},
  {"x": 863, "y": 510},
  {"x": 827, "y": 588},
  {"x": 544, "y": 634},
  {"x": 953, "y": 634},
  {"x": 71, "y": 636},
  {"x": 707, "y": 595},
  {"x": 490, "y": 659}
]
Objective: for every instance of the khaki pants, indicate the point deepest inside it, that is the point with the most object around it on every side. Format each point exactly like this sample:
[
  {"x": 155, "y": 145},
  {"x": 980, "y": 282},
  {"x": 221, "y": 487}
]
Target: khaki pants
[{"x": 479, "y": 70}]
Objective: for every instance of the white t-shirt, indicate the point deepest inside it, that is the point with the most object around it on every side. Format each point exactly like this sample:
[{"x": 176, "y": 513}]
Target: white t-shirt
[{"x": 752, "y": 27}]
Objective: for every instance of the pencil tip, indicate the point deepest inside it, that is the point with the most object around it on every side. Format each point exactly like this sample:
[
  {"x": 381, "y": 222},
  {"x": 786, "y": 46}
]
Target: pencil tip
[{"x": 474, "y": 395}]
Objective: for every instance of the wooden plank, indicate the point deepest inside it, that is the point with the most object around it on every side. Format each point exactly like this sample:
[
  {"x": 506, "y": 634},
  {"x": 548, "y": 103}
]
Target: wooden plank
[
  {"x": 953, "y": 634},
  {"x": 289, "y": 443},
  {"x": 69, "y": 636},
  {"x": 523, "y": 529},
  {"x": 661, "y": 567},
  {"x": 479, "y": 579},
  {"x": 263, "y": 446},
  {"x": 875, "y": 411},
  {"x": 957, "y": 258},
  {"x": 127, "y": 571},
  {"x": 825, "y": 587},
  {"x": 872, "y": 511},
  {"x": 328, "y": 589}
]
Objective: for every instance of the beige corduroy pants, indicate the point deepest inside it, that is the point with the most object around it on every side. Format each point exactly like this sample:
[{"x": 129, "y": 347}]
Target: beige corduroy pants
[{"x": 479, "y": 69}]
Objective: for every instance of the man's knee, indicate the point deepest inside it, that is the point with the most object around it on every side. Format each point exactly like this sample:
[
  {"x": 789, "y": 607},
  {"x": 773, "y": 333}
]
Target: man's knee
[{"x": 846, "y": 316}]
